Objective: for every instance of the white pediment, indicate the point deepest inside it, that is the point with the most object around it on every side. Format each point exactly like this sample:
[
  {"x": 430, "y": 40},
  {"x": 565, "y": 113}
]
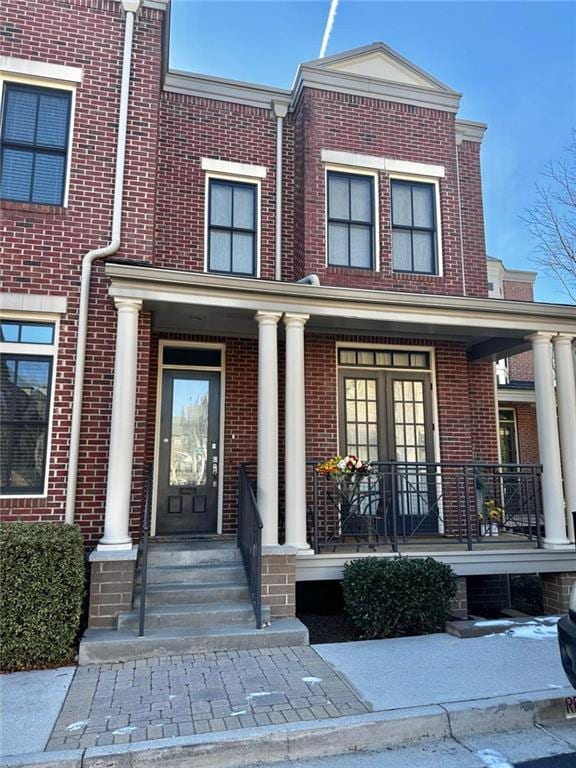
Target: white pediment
[{"x": 380, "y": 62}]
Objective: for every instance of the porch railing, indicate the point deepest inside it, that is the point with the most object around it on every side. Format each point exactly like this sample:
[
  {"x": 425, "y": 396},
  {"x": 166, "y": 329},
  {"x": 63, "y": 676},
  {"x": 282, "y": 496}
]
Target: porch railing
[
  {"x": 144, "y": 550},
  {"x": 401, "y": 503},
  {"x": 250, "y": 540}
]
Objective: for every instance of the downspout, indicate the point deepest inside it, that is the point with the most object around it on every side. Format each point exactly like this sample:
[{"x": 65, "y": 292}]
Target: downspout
[
  {"x": 131, "y": 8},
  {"x": 462, "y": 262},
  {"x": 280, "y": 112}
]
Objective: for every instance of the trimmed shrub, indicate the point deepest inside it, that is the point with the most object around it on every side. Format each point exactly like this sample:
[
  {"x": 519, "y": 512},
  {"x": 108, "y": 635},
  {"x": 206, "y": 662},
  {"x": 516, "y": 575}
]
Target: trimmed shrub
[
  {"x": 41, "y": 591},
  {"x": 391, "y": 597}
]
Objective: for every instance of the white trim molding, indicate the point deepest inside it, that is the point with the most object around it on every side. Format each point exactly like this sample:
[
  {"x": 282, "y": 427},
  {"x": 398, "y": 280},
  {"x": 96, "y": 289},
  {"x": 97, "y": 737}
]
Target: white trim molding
[
  {"x": 406, "y": 167},
  {"x": 35, "y": 303},
  {"x": 352, "y": 159},
  {"x": 234, "y": 169},
  {"x": 26, "y": 68}
]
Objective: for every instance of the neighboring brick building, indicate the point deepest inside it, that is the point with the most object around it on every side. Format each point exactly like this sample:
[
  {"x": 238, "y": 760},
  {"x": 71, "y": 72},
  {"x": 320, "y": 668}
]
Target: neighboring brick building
[{"x": 284, "y": 275}]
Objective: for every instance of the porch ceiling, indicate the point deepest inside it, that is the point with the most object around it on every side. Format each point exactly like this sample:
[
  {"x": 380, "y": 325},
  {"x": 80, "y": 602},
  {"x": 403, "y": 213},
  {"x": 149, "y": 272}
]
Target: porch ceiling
[{"x": 198, "y": 303}]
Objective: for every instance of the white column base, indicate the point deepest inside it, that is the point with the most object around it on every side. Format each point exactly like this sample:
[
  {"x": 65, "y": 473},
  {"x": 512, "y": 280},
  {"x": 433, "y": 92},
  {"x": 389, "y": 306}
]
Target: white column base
[
  {"x": 105, "y": 545},
  {"x": 557, "y": 545}
]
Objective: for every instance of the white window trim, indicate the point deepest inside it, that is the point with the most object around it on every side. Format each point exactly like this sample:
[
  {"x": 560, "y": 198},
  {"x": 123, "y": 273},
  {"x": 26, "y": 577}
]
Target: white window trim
[
  {"x": 44, "y": 75},
  {"x": 243, "y": 180},
  {"x": 353, "y": 160},
  {"x": 355, "y": 171},
  {"x": 234, "y": 169},
  {"x": 46, "y": 350},
  {"x": 161, "y": 368},
  {"x": 435, "y": 182},
  {"x": 414, "y": 169}
]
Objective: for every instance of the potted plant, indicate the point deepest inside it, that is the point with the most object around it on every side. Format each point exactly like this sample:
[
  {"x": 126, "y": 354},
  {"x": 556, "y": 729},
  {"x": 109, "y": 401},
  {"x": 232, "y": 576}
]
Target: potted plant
[{"x": 490, "y": 518}]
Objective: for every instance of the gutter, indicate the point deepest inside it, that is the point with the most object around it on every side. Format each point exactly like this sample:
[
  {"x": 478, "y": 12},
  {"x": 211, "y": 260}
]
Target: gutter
[{"x": 131, "y": 8}]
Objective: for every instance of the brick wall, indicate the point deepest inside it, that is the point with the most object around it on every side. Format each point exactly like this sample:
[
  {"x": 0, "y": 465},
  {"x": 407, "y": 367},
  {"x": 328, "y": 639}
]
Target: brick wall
[
  {"x": 526, "y": 429},
  {"x": 43, "y": 245},
  {"x": 520, "y": 367},
  {"x": 556, "y": 588}
]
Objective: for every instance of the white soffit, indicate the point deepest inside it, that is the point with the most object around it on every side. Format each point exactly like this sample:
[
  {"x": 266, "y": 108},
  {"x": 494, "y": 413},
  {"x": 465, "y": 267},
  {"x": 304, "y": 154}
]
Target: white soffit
[{"x": 233, "y": 169}]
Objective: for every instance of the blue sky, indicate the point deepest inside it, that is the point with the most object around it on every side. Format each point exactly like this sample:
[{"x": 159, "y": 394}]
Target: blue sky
[{"x": 515, "y": 63}]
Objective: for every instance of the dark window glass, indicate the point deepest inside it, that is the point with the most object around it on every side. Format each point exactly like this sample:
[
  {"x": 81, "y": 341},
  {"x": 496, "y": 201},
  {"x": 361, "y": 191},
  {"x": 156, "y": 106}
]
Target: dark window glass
[
  {"x": 350, "y": 221},
  {"x": 508, "y": 436},
  {"x": 413, "y": 228},
  {"x": 383, "y": 358},
  {"x": 232, "y": 228},
  {"x": 35, "y": 124},
  {"x": 26, "y": 333},
  {"x": 191, "y": 356},
  {"x": 24, "y": 415}
]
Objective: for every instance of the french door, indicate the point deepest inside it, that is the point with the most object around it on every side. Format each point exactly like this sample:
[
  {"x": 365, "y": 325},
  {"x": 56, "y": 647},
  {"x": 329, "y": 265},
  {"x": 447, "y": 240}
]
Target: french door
[{"x": 385, "y": 416}]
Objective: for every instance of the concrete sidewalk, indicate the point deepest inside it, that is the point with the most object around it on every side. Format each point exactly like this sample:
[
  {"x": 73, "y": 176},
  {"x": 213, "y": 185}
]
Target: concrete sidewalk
[{"x": 222, "y": 708}]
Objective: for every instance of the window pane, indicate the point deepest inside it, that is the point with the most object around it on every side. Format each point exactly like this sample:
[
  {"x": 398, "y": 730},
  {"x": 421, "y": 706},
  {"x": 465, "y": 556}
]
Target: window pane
[
  {"x": 338, "y": 202},
  {"x": 338, "y": 244},
  {"x": 360, "y": 247},
  {"x": 32, "y": 384},
  {"x": 52, "y": 120},
  {"x": 423, "y": 252},
  {"x": 20, "y": 115},
  {"x": 48, "y": 179},
  {"x": 8, "y": 390},
  {"x": 242, "y": 252},
  {"x": 32, "y": 333},
  {"x": 220, "y": 205},
  {"x": 422, "y": 199},
  {"x": 401, "y": 251},
  {"x": 27, "y": 464},
  {"x": 347, "y": 357},
  {"x": 361, "y": 200},
  {"x": 401, "y": 205},
  {"x": 244, "y": 207},
  {"x": 219, "y": 259},
  {"x": 16, "y": 174},
  {"x": 9, "y": 332}
]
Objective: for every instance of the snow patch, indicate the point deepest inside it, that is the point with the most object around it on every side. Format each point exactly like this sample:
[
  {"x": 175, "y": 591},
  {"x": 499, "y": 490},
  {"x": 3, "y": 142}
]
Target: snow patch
[
  {"x": 311, "y": 680},
  {"x": 493, "y": 758},
  {"x": 240, "y": 712},
  {"x": 533, "y": 631},
  {"x": 122, "y": 731},
  {"x": 494, "y": 623},
  {"x": 258, "y": 694},
  {"x": 77, "y": 726}
]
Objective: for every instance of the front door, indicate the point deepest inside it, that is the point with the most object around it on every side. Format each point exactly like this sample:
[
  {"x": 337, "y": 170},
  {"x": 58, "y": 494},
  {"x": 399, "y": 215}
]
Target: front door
[
  {"x": 386, "y": 416},
  {"x": 188, "y": 462}
]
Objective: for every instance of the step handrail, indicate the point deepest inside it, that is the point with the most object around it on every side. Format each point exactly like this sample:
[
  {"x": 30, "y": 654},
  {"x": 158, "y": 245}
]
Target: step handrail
[
  {"x": 144, "y": 549},
  {"x": 250, "y": 541}
]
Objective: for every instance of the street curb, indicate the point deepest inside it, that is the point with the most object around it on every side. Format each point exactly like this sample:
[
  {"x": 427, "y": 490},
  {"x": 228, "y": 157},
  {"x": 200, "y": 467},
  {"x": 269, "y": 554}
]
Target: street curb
[{"x": 316, "y": 738}]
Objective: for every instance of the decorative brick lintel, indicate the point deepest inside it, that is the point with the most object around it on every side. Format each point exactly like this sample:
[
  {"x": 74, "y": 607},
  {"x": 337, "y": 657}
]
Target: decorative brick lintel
[
  {"x": 279, "y": 580},
  {"x": 111, "y": 586}
]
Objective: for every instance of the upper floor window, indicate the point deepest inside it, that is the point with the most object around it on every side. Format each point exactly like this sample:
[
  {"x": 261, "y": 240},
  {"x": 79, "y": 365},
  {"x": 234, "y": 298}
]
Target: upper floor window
[
  {"x": 232, "y": 227},
  {"x": 350, "y": 220},
  {"x": 34, "y": 144},
  {"x": 414, "y": 235},
  {"x": 27, "y": 352}
]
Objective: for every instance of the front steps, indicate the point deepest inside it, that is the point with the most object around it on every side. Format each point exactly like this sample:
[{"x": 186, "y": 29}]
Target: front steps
[{"x": 197, "y": 600}]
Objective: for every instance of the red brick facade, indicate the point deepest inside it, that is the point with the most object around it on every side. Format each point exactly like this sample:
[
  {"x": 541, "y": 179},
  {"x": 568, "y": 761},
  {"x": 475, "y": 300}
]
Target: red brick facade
[{"x": 164, "y": 225}]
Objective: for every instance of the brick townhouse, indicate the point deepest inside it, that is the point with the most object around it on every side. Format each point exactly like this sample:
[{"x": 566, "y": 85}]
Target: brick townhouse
[{"x": 210, "y": 286}]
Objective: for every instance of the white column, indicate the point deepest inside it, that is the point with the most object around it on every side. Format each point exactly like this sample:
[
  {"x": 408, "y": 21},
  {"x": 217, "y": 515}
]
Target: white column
[
  {"x": 566, "y": 397},
  {"x": 120, "y": 455},
  {"x": 295, "y": 438},
  {"x": 267, "y": 481},
  {"x": 548, "y": 443}
]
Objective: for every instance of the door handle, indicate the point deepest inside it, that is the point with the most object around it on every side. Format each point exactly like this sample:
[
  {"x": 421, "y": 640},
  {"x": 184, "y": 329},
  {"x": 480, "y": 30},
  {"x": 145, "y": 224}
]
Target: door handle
[{"x": 214, "y": 471}]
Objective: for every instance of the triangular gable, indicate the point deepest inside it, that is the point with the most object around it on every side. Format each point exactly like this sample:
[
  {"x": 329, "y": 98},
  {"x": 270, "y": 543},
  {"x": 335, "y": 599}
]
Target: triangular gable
[{"x": 379, "y": 62}]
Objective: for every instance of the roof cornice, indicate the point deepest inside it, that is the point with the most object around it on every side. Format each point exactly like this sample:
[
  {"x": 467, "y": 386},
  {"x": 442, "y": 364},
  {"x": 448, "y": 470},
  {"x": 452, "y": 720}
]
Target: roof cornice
[
  {"x": 222, "y": 89},
  {"x": 470, "y": 130}
]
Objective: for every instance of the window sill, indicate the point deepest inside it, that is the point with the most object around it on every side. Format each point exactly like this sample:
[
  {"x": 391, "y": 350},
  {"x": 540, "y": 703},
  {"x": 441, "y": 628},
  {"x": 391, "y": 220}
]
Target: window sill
[{"x": 13, "y": 205}]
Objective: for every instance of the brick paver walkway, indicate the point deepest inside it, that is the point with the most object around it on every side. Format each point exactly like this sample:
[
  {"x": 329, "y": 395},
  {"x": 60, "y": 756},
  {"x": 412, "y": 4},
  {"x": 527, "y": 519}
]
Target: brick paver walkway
[{"x": 199, "y": 693}]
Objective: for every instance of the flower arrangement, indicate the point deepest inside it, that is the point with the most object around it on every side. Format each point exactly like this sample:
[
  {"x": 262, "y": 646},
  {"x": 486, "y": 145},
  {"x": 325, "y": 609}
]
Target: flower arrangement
[
  {"x": 343, "y": 466},
  {"x": 492, "y": 513}
]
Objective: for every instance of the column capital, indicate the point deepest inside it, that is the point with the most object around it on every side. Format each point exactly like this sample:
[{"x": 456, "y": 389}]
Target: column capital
[
  {"x": 292, "y": 318},
  {"x": 563, "y": 338},
  {"x": 267, "y": 318},
  {"x": 540, "y": 337},
  {"x": 129, "y": 305}
]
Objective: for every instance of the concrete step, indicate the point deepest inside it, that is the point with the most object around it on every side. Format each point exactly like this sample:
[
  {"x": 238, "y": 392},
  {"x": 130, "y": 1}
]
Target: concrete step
[
  {"x": 184, "y": 553},
  {"x": 176, "y": 594},
  {"x": 198, "y": 616},
  {"x": 214, "y": 573},
  {"x": 100, "y": 646}
]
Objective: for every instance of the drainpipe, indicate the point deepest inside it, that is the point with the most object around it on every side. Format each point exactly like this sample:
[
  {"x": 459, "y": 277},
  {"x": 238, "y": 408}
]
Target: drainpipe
[
  {"x": 459, "y": 141},
  {"x": 280, "y": 112},
  {"x": 131, "y": 8}
]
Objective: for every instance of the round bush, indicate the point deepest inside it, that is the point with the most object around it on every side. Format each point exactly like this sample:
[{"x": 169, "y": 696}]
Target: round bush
[
  {"x": 391, "y": 597},
  {"x": 41, "y": 591}
]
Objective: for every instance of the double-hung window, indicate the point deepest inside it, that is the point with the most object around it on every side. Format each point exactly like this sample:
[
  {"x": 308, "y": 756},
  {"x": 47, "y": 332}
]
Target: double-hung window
[
  {"x": 34, "y": 144},
  {"x": 232, "y": 227},
  {"x": 414, "y": 231},
  {"x": 350, "y": 220},
  {"x": 27, "y": 352}
]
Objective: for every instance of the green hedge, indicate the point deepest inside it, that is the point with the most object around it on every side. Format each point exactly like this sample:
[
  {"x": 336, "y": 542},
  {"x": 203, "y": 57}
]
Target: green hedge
[
  {"x": 41, "y": 591},
  {"x": 391, "y": 597}
]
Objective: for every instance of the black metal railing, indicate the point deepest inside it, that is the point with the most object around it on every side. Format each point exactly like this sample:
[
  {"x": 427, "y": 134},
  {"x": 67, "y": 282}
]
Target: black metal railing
[
  {"x": 250, "y": 540},
  {"x": 406, "y": 502},
  {"x": 144, "y": 550}
]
